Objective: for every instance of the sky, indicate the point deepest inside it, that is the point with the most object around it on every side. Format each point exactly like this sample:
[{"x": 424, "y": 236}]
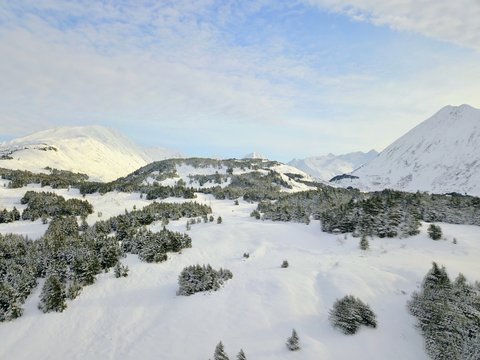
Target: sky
[{"x": 288, "y": 79}]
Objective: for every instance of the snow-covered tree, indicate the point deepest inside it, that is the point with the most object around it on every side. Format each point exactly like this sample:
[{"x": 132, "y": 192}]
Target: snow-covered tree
[
  {"x": 364, "y": 244},
  {"x": 241, "y": 355},
  {"x": 349, "y": 313},
  {"x": 120, "y": 270},
  {"x": 293, "y": 342},
  {"x": 53, "y": 295},
  {"x": 220, "y": 353},
  {"x": 435, "y": 232}
]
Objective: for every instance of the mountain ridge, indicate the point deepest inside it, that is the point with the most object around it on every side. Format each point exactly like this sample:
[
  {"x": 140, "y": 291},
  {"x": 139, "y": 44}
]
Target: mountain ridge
[
  {"x": 85, "y": 149},
  {"x": 325, "y": 167},
  {"x": 438, "y": 155}
]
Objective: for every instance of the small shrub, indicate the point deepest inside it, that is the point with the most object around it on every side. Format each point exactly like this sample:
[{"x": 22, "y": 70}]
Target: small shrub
[
  {"x": 285, "y": 264},
  {"x": 435, "y": 232}
]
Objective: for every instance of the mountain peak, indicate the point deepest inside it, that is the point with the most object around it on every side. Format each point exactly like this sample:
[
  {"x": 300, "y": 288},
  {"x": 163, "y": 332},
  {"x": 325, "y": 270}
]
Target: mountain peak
[
  {"x": 254, "y": 155},
  {"x": 438, "y": 155},
  {"x": 101, "y": 152}
]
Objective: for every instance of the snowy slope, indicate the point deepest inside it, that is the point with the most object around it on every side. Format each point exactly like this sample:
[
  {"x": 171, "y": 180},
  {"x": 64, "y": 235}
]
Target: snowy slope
[
  {"x": 185, "y": 170},
  {"x": 327, "y": 166},
  {"x": 442, "y": 154},
  {"x": 140, "y": 317},
  {"x": 156, "y": 153},
  {"x": 100, "y": 152}
]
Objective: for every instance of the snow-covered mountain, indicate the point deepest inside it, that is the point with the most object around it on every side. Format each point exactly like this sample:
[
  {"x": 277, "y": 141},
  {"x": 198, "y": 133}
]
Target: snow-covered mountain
[
  {"x": 156, "y": 153},
  {"x": 102, "y": 153},
  {"x": 254, "y": 155},
  {"x": 327, "y": 166},
  {"x": 439, "y": 155}
]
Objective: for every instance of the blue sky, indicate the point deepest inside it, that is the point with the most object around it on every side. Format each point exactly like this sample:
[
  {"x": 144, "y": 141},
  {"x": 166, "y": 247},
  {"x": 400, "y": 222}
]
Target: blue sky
[{"x": 223, "y": 78}]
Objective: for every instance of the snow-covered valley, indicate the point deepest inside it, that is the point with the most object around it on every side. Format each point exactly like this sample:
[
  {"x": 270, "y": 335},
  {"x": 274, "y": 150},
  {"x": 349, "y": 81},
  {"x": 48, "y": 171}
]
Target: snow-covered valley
[{"x": 141, "y": 316}]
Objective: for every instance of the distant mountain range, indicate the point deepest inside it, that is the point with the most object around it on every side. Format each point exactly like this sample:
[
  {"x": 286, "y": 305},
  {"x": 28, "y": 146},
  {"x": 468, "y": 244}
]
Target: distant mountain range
[
  {"x": 102, "y": 153},
  {"x": 327, "y": 166},
  {"x": 440, "y": 155}
]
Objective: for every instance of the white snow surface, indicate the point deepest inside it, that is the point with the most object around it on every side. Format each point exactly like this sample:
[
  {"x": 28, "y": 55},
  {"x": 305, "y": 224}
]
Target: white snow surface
[
  {"x": 440, "y": 155},
  {"x": 102, "y": 153},
  {"x": 326, "y": 167},
  {"x": 140, "y": 317}
]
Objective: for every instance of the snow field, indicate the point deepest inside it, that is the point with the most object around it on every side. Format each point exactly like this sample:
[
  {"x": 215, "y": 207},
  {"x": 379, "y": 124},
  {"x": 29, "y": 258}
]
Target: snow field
[{"x": 140, "y": 317}]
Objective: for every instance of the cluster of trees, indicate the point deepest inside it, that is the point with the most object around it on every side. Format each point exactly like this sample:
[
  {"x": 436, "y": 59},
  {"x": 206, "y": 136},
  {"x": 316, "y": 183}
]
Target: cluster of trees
[
  {"x": 300, "y": 206},
  {"x": 9, "y": 216},
  {"x": 161, "y": 170},
  {"x": 55, "y": 179},
  {"x": 70, "y": 256},
  {"x": 349, "y": 313},
  {"x": 163, "y": 192},
  {"x": 215, "y": 178},
  {"x": 67, "y": 258},
  {"x": 252, "y": 186},
  {"x": 220, "y": 353},
  {"x": 198, "y": 278},
  {"x": 448, "y": 314},
  {"x": 153, "y": 247},
  {"x": 48, "y": 204},
  {"x": 386, "y": 213}
]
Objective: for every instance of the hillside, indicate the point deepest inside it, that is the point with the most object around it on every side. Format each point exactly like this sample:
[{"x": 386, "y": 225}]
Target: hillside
[
  {"x": 327, "y": 166},
  {"x": 439, "y": 155},
  {"x": 102, "y": 153},
  {"x": 141, "y": 317}
]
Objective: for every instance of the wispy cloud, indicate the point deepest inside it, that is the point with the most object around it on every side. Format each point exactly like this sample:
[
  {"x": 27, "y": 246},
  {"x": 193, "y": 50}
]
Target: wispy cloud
[
  {"x": 453, "y": 21},
  {"x": 218, "y": 75}
]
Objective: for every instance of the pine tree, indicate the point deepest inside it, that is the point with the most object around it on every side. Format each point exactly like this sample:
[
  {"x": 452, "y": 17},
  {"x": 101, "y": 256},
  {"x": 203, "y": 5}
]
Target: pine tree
[
  {"x": 53, "y": 295},
  {"x": 349, "y": 313},
  {"x": 220, "y": 353},
  {"x": 120, "y": 270},
  {"x": 435, "y": 232},
  {"x": 293, "y": 343},
  {"x": 241, "y": 355},
  {"x": 74, "y": 290},
  {"x": 219, "y": 220},
  {"x": 364, "y": 244}
]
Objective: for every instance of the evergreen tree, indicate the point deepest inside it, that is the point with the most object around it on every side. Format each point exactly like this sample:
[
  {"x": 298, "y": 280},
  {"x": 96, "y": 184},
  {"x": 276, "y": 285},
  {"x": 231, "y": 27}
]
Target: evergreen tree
[
  {"x": 53, "y": 295},
  {"x": 74, "y": 290},
  {"x": 220, "y": 353},
  {"x": 120, "y": 270},
  {"x": 219, "y": 220},
  {"x": 349, "y": 313},
  {"x": 293, "y": 343},
  {"x": 285, "y": 264},
  {"x": 10, "y": 307},
  {"x": 241, "y": 355},
  {"x": 435, "y": 232},
  {"x": 364, "y": 244}
]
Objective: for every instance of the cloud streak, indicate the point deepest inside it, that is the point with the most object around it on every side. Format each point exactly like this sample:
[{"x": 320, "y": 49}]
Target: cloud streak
[
  {"x": 452, "y": 21},
  {"x": 218, "y": 75}
]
